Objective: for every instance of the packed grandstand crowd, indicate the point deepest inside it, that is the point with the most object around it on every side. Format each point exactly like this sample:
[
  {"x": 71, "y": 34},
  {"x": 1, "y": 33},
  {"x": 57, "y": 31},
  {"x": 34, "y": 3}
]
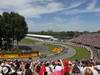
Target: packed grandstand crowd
[
  {"x": 50, "y": 67},
  {"x": 88, "y": 39}
]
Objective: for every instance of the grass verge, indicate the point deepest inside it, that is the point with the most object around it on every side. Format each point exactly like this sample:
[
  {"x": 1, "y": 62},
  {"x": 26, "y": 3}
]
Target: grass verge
[
  {"x": 28, "y": 41},
  {"x": 81, "y": 53}
]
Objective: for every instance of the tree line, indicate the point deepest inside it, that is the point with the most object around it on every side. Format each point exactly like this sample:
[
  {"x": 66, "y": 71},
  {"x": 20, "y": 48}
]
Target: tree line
[
  {"x": 63, "y": 34},
  {"x": 12, "y": 28},
  {"x": 60, "y": 35}
]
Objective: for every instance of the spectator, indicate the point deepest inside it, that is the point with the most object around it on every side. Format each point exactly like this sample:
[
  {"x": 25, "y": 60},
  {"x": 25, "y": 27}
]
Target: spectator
[
  {"x": 67, "y": 68},
  {"x": 91, "y": 67},
  {"x": 1, "y": 70},
  {"x": 88, "y": 71},
  {"x": 6, "y": 70},
  {"x": 27, "y": 69}
]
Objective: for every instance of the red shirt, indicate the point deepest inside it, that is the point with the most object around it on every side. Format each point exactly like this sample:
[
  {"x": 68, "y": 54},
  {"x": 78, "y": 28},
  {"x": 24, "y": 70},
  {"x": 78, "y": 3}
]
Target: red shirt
[{"x": 42, "y": 70}]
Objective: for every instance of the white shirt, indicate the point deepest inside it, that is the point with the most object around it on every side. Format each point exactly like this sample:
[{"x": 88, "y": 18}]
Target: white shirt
[
  {"x": 98, "y": 67},
  {"x": 58, "y": 68},
  {"x": 48, "y": 70}
]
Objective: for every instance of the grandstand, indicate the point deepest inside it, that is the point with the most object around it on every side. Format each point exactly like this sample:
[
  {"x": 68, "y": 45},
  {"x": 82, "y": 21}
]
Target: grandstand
[
  {"x": 45, "y": 37},
  {"x": 91, "y": 40}
]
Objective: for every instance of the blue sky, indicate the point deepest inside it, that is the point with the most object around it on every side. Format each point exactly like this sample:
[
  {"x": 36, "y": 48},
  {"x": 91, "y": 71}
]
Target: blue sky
[{"x": 56, "y": 15}]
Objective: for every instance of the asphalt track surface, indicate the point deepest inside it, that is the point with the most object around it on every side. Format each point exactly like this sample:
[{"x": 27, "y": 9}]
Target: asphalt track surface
[{"x": 65, "y": 53}]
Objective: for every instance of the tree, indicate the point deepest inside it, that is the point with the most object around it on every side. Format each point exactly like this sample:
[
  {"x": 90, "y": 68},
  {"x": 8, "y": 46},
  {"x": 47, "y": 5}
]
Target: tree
[
  {"x": 13, "y": 27},
  {"x": 20, "y": 28}
]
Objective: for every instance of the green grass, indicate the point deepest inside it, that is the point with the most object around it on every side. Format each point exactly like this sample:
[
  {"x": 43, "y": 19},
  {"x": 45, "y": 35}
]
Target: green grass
[
  {"x": 81, "y": 53},
  {"x": 28, "y": 41},
  {"x": 51, "y": 46}
]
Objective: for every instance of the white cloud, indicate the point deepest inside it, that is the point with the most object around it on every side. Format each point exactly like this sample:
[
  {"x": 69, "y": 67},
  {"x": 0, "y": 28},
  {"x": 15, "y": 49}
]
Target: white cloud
[
  {"x": 37, "y": 10},
  {"x": 79, "y": 11},
  {"x": 28, "y": 10},
  {"x": 49, "y": 8},
  {"x": 91, "y": 8},
  {"x": 91, "y": 5},
  {"x": 13, "y": 3},
  {"x": 54, "y": 5},
  {"x": 75, "y": 5},
  {"x": 25, "y": 8}
]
